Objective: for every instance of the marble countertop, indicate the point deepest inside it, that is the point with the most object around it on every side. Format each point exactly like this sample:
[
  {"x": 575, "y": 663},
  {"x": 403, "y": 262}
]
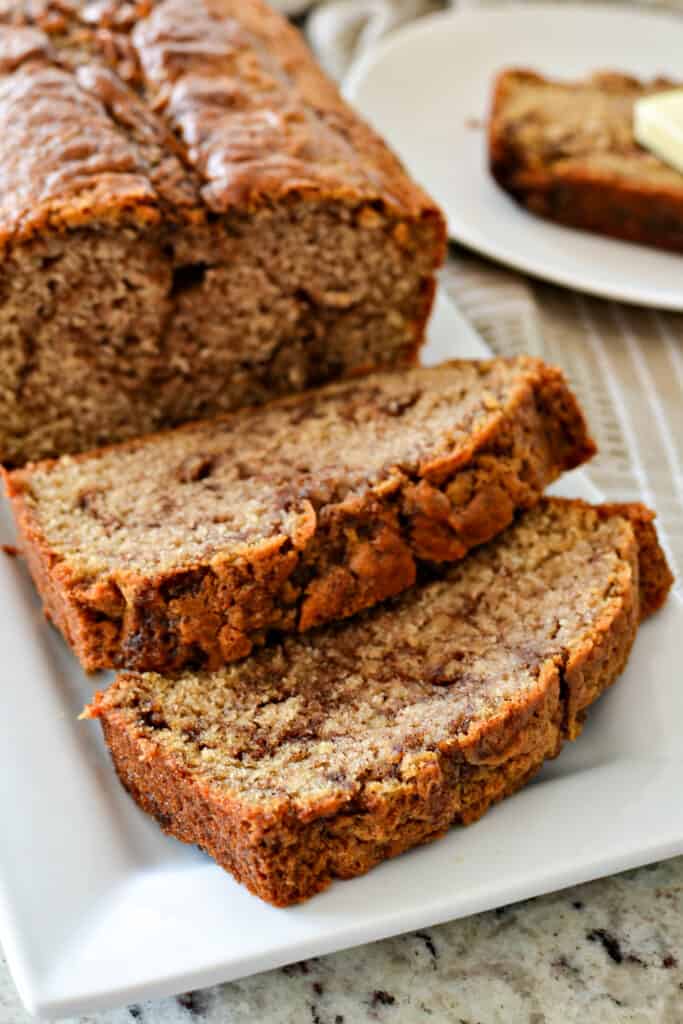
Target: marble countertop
[{"x": 603, "y": 953}]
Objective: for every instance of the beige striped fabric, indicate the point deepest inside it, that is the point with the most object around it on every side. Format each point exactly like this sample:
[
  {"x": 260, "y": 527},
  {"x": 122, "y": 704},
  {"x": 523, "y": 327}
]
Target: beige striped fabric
[{"x": 625, "y": 363}]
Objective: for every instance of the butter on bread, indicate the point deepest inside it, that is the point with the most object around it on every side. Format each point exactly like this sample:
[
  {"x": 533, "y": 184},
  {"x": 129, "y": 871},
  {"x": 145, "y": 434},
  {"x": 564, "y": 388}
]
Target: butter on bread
[{"x": 658, "y": 126}]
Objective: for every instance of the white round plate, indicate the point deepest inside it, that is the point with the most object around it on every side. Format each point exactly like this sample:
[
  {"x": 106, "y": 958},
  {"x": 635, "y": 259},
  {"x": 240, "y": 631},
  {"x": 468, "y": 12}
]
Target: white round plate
[{"x": 427, "y": 89}]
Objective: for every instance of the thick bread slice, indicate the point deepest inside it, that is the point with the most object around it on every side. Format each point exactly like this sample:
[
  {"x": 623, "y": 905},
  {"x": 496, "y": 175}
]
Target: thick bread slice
[
  {"x": 187, "y": 547},
  {"x": 319, "y": 757},
  {"x": 567, "y": 151}
]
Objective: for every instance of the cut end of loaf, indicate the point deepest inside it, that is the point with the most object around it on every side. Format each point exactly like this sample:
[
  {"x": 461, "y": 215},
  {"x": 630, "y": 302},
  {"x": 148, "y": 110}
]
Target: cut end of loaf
[
  {"x": 133, "y": 336},
  {"x": 225, "y": 229}
]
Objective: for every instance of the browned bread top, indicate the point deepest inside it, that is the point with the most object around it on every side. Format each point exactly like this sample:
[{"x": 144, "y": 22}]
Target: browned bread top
[
  {"x": 324, "y": 754},
  {"x": 191, "y": 543},
  {"x": 190, "y": 107},
  {"x": 539, "y": 125}
]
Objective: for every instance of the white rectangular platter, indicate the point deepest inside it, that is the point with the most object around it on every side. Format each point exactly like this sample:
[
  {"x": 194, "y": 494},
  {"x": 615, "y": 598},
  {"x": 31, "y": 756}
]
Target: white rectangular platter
[{"x": 99, "y": 908}]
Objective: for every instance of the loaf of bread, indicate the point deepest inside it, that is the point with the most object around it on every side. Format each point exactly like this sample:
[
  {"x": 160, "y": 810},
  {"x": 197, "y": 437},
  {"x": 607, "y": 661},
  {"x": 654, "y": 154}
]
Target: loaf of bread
[
  {"x": 323, "y": 755},
  {"x": 185, "y": 548},
  {"x": 567, "y": 151},
  {"x": 191, "y": 220}
]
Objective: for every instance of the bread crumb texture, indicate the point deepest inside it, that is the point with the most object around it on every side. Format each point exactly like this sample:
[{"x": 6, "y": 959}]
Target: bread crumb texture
[{"x": 192, "y": 543}]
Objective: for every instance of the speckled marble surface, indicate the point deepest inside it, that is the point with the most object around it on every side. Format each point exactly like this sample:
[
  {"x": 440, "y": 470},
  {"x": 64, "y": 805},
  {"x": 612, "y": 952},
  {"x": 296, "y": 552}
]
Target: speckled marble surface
[{"x": 604, "y": 953}]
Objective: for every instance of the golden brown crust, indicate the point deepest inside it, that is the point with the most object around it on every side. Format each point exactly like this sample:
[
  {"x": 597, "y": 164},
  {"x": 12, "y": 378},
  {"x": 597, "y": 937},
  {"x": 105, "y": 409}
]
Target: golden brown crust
[
  {"x": 285, "y": 859},
  {"x": 617, "y": 190},
  {"x": 346, "y": 555},
  {"x": 286, "y": 851},
  {"x": 655, "y": 576},
  {"x": 226, "y": 89}
]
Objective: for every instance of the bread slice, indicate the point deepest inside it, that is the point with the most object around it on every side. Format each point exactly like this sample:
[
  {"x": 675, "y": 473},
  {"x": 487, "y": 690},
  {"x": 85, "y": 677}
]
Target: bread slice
[
  {"x": 191, "y": 220},
  {"x": 567, "y": 151},
  {"x": 325, "y": 754},
  {"x": 187, "y": 547}
]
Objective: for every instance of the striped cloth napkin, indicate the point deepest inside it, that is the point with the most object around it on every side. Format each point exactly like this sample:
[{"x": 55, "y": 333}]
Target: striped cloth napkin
[
  {"x": 625, "y": 363},
  {"x": 341, "y": 30}
]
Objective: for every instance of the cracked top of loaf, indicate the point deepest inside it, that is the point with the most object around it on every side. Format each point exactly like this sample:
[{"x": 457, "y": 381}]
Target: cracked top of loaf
[{"x": 178, "y": 108}]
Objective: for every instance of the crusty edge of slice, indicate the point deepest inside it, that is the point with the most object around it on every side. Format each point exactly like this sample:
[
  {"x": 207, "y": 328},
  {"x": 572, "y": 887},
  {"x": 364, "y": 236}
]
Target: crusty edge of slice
[
  {"x": 655, "y": 577},
  {"x": 361, "y": 551},
  {"x": 286, "y": 854},
  {"x": 633, "y": 211}
]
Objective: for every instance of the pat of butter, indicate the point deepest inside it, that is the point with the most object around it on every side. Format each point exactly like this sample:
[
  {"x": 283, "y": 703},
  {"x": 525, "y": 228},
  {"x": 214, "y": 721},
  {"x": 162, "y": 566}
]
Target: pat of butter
[{"x": 658, "y": 125}]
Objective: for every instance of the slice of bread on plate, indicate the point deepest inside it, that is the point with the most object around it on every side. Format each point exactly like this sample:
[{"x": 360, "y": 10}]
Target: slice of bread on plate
[
  {"x": 324, "y": 754},
  {"x": 186, "y": 548},
  {"x": 567, "y": 151}
]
